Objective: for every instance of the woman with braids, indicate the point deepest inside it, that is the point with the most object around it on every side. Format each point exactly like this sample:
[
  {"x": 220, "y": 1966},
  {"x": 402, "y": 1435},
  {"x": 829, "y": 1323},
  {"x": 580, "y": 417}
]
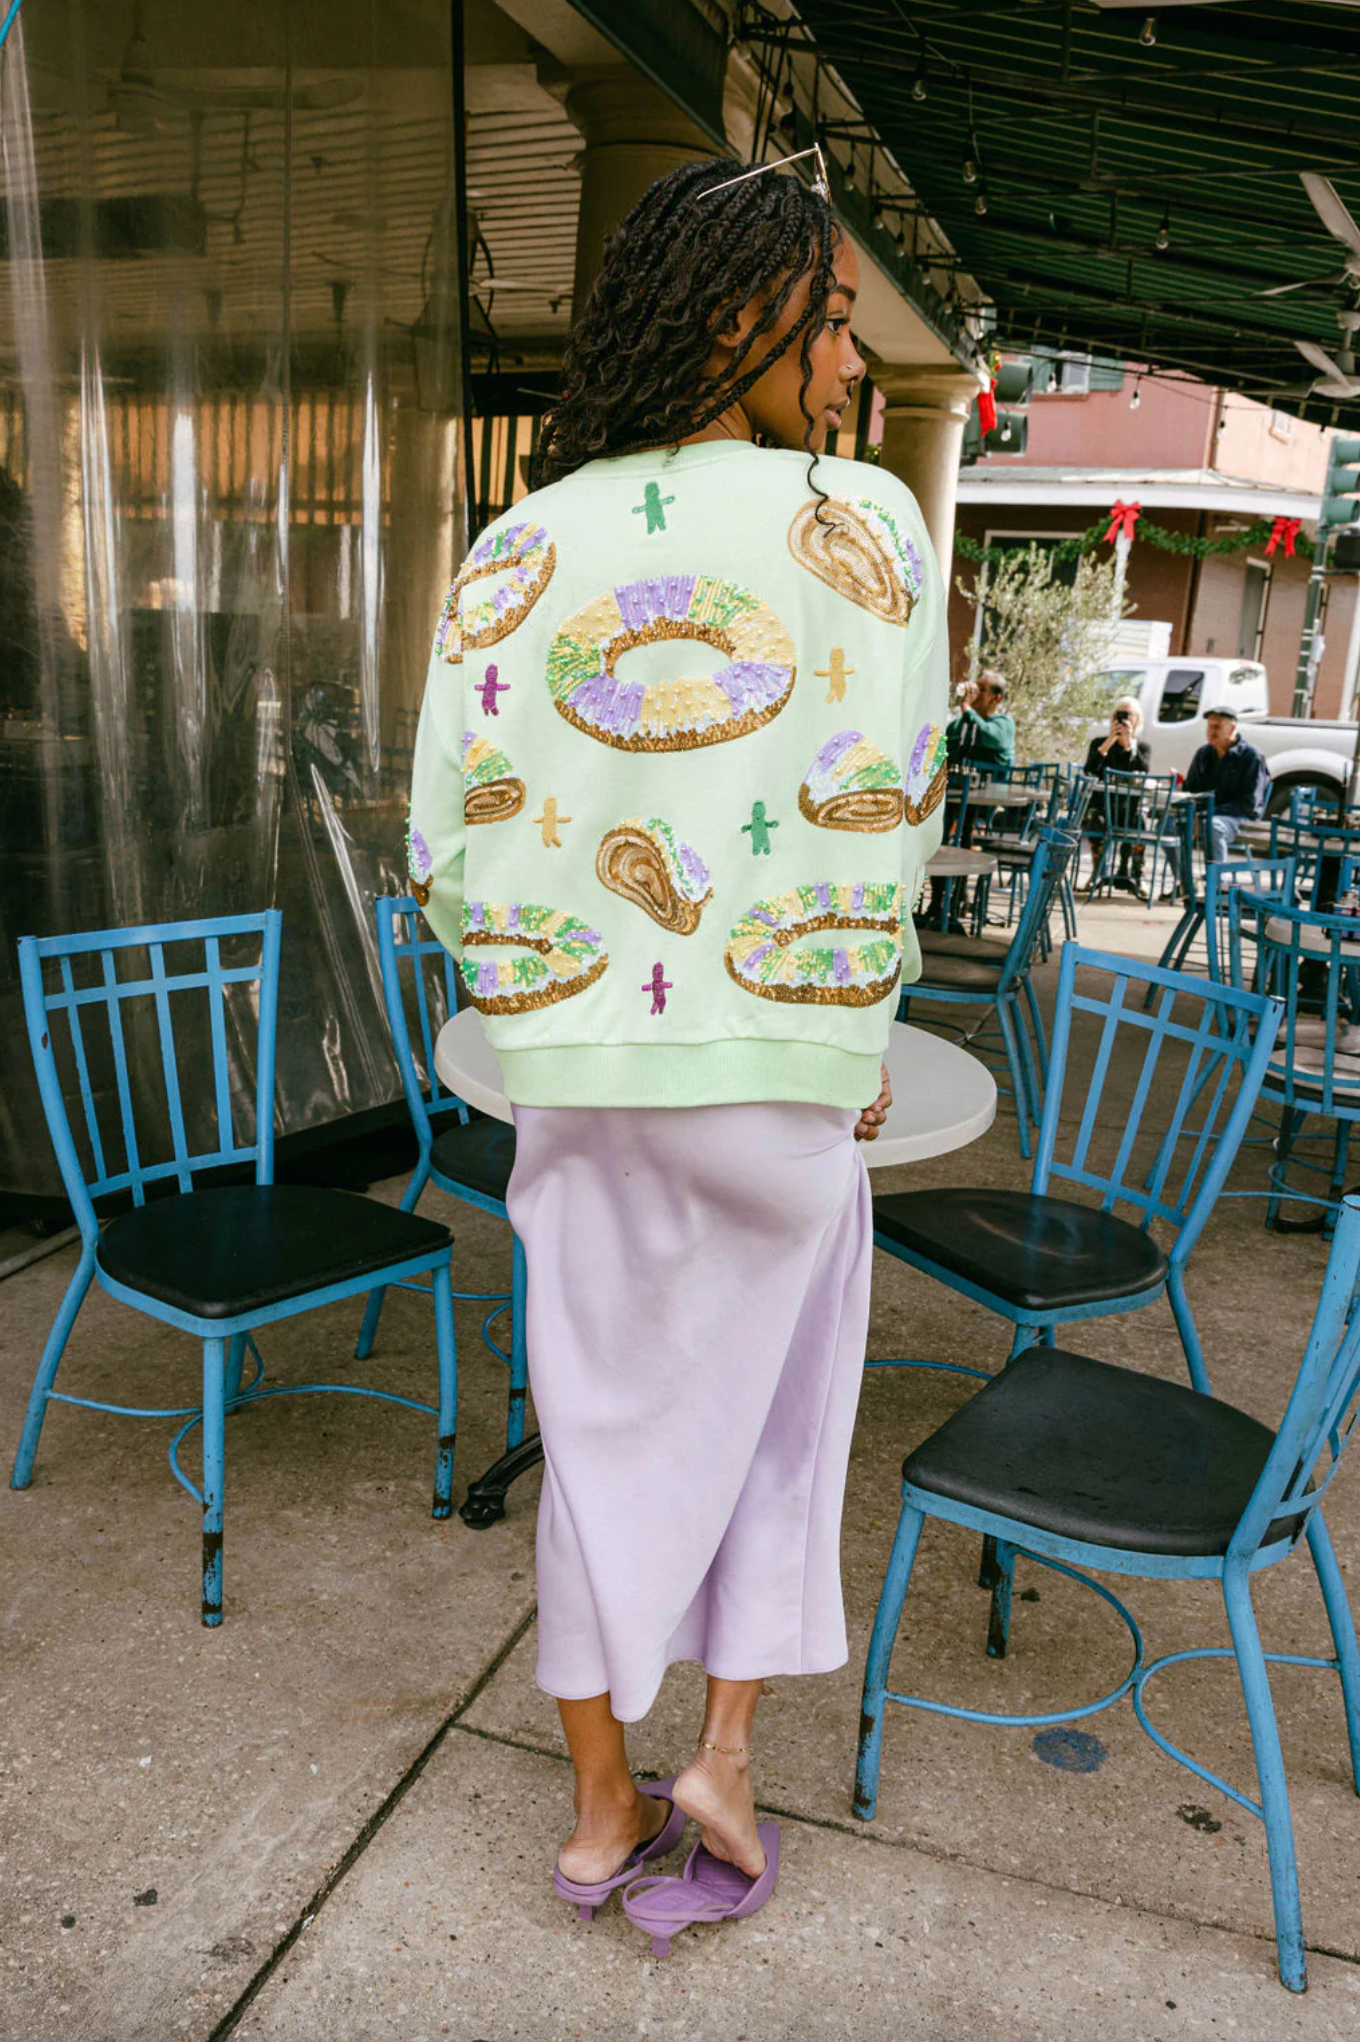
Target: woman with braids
[{"x": 679, "y": 770}]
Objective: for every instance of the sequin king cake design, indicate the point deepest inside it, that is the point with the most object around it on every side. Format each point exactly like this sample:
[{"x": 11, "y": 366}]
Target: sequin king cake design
[
  {"x": 473, "y": 617},
  {"x": 861, "y": 551},
  {"x": 491, "y": 792},
  {"x": 852, "y": 785},
  {"x": 564, "y": 956},
  {"x": 419, "y": 864},
  {"x": 927, "y": 773},
  {"x": 763, "y": 959},
  {"x": 646, "y": 863},
  {"x": 634, "y": 715}
]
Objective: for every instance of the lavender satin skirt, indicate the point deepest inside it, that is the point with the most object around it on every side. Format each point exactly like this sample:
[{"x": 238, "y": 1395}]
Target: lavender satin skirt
[{"x": 697, "y": 1314}]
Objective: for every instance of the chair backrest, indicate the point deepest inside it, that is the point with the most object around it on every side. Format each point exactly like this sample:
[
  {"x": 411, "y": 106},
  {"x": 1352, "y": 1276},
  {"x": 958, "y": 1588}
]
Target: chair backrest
[
  {"x": 115, "y": 1020},
  {"x": 1138, "y": 806},
  {"x": 1161, "y": 1120},
  {"x": 419, "y": 975},
  {"x": 956, "y": 812},
  {"x": 1052, "y": 851},
  {"x": 1192, "y": 815},
  {"x": 1078, "y": 791},
  {"x": 1271, "y": 879},
  {"x": 1309, "y": 963},
  {"x": 1323, "y": 1405}
]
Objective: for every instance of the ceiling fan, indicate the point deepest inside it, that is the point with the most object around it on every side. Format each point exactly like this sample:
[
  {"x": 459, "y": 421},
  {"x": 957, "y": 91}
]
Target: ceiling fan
[
  {"x": 144, "y": 107},
  {"x": 1336, "y": 218},
  {"x": 1338, "y": 377}
]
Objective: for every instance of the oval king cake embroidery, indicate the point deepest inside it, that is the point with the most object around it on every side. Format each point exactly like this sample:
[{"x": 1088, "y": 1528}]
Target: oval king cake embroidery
[
  {"x": 762, "y": 956},
  {"x": 927, "y": 773},
  {"x": 861, "y": 551},
  {"x": 564, "y": 956},
  {"x": 646, "y": 863},
  {"x": 473, "y": 617},
  {"x": 419, "y": 865},
  {"x": 491, "y": 791},
  {"x": 852, "y": 785},
  {"x": 667, "y": 716}
]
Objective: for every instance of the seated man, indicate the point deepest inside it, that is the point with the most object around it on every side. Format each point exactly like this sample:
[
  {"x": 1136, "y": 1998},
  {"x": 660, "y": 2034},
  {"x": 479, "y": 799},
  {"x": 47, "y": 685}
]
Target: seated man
[
  {"x": 1237, "y": 776},
  {"x": 981, "y": 738}
]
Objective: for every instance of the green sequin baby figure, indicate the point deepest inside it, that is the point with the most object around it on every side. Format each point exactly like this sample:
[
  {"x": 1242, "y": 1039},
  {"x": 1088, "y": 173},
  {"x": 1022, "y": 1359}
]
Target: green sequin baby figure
[
  {"x": 758, "y": 830},
  {"x": 654, "y": 506}
]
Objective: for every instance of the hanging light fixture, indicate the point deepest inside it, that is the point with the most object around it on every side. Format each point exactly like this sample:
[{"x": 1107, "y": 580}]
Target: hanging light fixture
[
  {"x": 1164, "y": 231},
  {"x": 850, "y": 172},
  {"x": 1137, "y": 396},
  {"x": 1147, "y": 34},
  {"x": 918, "y": 83},
  {"x": 980, "y": 202},
  {"x": 971, "y": 160}
]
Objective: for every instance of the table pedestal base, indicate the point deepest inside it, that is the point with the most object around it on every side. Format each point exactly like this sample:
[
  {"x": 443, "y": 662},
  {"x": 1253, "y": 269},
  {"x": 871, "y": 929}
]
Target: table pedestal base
[{"x": 484, "y": 1504}]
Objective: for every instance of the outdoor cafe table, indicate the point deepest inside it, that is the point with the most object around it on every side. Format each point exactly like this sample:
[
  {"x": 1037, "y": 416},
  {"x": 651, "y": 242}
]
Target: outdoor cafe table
[
  {"x": 1318, "y": 940},
  {"x": 954, "y": 861},
  {"x": 943, "y": 1098},
  {"x": 1002, "y": 794}
]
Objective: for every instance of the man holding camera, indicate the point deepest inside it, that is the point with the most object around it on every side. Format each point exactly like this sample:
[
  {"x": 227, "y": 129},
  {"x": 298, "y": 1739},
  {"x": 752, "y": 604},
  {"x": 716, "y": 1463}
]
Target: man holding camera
[
  {"x": 1237, "y": 776},
  {"x": 981, "y": 738}
]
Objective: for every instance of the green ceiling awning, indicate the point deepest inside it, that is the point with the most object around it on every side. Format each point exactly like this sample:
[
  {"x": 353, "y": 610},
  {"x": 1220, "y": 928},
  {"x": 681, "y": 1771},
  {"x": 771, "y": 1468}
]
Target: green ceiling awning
[{"x": 1139, "y": 186}]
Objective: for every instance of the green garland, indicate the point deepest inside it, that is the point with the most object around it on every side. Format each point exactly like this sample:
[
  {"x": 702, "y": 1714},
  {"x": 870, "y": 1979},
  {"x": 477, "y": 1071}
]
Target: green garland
[{"x": 1256, "y": 534}]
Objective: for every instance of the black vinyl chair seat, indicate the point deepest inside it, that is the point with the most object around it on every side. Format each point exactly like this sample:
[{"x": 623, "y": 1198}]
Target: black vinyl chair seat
[
  {"x": 480, "y": 1155},
  {"x": 963, "y": 974},
  {"x": 221, "y": 1254},
  {"x": 936, "y": 943},
  {"x": 1100, "y": 1454},
  {"x": 1037, "y": 1252}
]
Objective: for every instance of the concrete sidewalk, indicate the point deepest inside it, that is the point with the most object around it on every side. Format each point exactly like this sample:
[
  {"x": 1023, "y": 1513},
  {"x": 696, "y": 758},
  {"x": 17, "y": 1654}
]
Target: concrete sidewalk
[{"x": 334, "y": 1819}]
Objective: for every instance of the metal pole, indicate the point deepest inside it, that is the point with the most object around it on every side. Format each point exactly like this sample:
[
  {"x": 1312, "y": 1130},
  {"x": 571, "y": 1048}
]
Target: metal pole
[{"x": 1305, "y": 673}]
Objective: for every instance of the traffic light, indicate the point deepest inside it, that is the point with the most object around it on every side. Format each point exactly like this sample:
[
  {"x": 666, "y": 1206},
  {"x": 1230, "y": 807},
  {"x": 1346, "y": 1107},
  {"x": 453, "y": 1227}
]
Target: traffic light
[
  {"x": 1342, "y": 486},
  {"x": 1014, "y": 382}
]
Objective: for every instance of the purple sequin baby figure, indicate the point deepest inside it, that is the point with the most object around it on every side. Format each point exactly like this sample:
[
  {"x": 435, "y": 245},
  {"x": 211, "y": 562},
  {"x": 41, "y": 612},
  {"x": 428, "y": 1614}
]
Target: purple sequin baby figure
[
  {"x": 491, "y": 687},
  {"x": 658, "y": 985}
]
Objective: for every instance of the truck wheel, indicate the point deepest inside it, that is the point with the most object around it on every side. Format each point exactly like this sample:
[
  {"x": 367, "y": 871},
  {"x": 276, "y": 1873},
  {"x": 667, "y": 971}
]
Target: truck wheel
[{"x": 1329, "y": 792}]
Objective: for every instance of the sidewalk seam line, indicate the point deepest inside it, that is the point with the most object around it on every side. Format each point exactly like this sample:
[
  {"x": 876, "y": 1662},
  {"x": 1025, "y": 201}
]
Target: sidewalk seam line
[{"x": 365, "y": 1835}]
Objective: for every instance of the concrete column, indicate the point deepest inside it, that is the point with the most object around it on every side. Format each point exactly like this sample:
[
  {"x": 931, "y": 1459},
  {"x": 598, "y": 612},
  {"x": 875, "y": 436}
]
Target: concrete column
[
  {"x": 925, "y": 410},
  {"x": 633, "y": 134}
]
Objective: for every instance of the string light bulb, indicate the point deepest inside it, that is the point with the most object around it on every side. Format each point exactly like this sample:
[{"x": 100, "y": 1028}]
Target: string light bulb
[
  {"x": 850, "y": 173},
  {"x": 918, "y": 83},
  {"x": 1137, "y": 396},
  {"x": 1147, "y": 34},
  {"x": 1164, "y": 231},
  {"x": 980, "y": 202}
]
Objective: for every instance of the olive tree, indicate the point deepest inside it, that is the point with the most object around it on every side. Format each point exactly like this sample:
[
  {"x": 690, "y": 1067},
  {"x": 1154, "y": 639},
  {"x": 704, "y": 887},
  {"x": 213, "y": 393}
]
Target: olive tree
[{"x": 1050, "y": 639}]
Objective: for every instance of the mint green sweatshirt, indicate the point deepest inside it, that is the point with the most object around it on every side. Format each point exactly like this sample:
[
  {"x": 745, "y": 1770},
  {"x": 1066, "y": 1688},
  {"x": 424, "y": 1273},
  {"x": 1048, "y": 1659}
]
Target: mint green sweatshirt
[{"x": 680, "y": 765}]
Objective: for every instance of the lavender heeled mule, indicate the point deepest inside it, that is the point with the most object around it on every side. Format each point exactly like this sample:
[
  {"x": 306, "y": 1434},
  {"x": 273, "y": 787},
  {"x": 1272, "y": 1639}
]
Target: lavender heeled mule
[
  {"x": 588, "y": 1898},
  {"x": 707, "y": 1890}
]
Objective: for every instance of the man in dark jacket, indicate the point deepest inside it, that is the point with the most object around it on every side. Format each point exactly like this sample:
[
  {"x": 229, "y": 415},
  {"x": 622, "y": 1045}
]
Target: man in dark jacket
[{"x": 1235, "y": 773}]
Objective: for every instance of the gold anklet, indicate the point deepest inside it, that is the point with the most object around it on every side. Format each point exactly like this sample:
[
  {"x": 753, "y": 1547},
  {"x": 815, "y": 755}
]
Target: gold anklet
[{"x": 727, "y": 1750}]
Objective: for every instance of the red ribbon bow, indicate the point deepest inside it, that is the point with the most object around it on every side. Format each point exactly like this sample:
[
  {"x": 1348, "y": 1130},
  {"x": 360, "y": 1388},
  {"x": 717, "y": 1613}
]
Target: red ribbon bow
[
  {"x": 1123, "y": 518},
  {"x": 1284, "y": 530},
  {"x": 986, "y": 405}
]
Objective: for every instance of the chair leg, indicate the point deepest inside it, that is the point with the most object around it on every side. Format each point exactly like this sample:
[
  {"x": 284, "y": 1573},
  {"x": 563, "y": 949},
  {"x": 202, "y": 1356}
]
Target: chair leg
[
  {"x": 442, "y": 1279},
  {"x": 1342, "y": 1622},
  {"x": 1003, "y": 1581},
  {"x": 1027, "y": 1057},
  {"x": 886, "y": 1619},
  {"x": 22, "y": 1472},
  {"x": 1340, "y": 1152},
  {"x": 1040, "y": 1036},
  {"x": 1188, "y": 1330},
  {"x": 519, "y": 1348},
  {"x": 236, "y": 1355},
  {"x": 214, "y": 1474},
  {"x": 368, "y": 1332},
  {"x": 1265, "y": 1739},
  {"x": 1018, "y": 1084},
  {"x": 1291, "y": 1120}
]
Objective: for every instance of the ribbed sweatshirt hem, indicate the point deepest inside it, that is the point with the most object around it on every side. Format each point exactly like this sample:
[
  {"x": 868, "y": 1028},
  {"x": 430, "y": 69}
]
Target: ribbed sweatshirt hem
[{"x": 726, "y": 1073}]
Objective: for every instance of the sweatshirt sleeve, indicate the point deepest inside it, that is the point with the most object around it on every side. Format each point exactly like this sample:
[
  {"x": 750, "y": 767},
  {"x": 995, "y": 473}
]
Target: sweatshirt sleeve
[{"x": 437, "y": 835}]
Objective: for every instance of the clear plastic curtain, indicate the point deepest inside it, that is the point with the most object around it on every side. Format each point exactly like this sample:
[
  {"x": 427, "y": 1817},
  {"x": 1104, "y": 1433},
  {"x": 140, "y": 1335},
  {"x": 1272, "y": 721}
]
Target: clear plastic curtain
[{"x": 230, "y": 492}]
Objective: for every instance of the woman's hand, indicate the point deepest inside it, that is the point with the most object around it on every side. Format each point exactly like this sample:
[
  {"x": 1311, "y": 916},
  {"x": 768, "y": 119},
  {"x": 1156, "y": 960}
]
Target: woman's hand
[{"x": 873, "y": 1117}]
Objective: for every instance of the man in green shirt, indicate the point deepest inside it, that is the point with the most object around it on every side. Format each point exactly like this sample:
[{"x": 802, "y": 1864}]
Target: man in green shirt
[{"x": 982, "y": 735}]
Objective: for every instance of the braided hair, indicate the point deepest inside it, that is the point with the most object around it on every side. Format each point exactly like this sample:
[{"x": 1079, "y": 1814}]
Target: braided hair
[{"x": 676, "y": 273}]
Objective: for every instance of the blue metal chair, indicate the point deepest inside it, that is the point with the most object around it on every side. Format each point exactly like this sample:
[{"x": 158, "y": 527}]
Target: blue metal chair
[
  {"x": 1140, "y": 816},
  {"x": 1267, "y": 879},
  {"x": 1193, "y": 814},
  {"x": 218, "y": 1263},
  {"x": 1311, "y": 962},
  {"x": 1078, "y": 1464},
  {"x": 469, "y": 1159},
  {"x": 961, "y": 971},
  {"x": 1038, "y": 1260}
]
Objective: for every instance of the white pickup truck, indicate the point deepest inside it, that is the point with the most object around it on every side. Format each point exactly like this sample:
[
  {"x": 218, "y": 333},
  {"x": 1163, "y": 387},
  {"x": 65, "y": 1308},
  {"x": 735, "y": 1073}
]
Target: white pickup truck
[{"x": 1175, "y": 693}]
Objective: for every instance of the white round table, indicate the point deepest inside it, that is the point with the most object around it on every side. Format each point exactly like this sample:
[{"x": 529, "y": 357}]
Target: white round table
[
  {"x": 956, "y": 861},
  {"x": 943, "y": 1098},
  {"x": 1319, "y": 941},
  {"x": 1001, "y": 794}
]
